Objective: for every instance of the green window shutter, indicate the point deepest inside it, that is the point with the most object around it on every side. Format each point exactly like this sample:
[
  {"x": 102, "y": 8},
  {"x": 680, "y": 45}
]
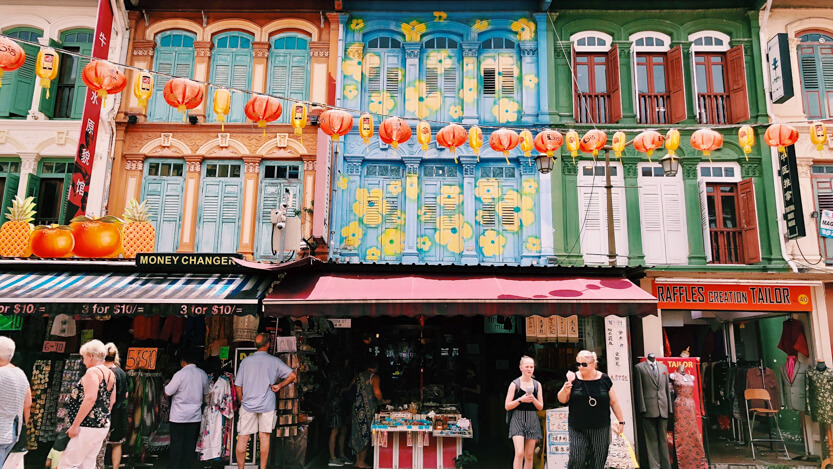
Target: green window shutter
[
  {"x": 47, "y": 106},
  {"x": 80, "y": 96},
  {"x": 19, "y": 86},
  {"x": 33, "y": 188},
  {"x": 207, "y": 224},
  {"x": 65, "y": 216},
  {"x": 9, "y": 192},
  {"x": 279, "y": 80}
]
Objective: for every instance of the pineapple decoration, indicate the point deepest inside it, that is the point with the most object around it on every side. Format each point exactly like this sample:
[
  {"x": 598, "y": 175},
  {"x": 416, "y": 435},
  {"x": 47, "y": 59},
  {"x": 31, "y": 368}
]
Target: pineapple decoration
[
  {"x": 14, "y": 234},
  {"x": 138, "y": 234}
]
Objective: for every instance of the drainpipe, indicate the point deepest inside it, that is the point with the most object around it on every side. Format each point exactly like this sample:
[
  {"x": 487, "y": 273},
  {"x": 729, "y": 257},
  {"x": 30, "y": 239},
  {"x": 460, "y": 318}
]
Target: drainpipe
[{"x": 772, "y": 151}]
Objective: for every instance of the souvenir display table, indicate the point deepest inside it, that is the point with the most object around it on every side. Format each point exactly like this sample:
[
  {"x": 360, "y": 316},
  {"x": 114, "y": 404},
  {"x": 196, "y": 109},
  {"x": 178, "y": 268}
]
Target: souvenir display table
[{"x": 405, "y": 440}]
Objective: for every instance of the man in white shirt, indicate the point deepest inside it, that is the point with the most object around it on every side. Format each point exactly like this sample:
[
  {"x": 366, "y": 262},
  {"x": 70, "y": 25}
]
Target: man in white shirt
[
  {"x": 187, "y": 390},
  {"x": 15, "y": 399}
]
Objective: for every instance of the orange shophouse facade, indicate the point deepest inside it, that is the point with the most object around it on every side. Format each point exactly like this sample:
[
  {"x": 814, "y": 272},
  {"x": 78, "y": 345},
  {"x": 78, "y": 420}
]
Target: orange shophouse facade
[{"x": 210, "y": 186}]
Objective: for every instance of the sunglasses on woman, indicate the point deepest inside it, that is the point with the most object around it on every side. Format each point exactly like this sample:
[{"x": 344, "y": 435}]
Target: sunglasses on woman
[{"x": 583, "y": 365}]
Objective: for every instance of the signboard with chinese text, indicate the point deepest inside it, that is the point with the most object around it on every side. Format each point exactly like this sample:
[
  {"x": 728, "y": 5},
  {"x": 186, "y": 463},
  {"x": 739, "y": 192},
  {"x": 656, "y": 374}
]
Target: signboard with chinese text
[
  {"x": 141, "y": 358},
  {"x": 826, "y": 224},
  {"x": 791, "y": 192},
  {"x": 558, "y": 438},
  {"x": 617, "y": 353},
  {"x": 732, "y": 297},
  {"x": 780, "y": 68}
]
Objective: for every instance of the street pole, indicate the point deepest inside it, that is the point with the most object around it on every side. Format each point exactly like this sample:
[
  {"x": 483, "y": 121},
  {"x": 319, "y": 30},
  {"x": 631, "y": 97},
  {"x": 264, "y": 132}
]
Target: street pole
[{"x": 611, "y": 236}]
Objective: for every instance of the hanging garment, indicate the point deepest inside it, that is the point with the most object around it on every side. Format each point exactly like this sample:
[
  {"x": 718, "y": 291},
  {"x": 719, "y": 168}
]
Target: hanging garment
[
  {"x": 755, "y": 380},
  {"x": 792, "y": 338},
  {"x": 216, "y": 415},
  {"x": 245, "y": 328},
  {"x": 63, "y": 326},
  {"x": 172, "y": 330},
  {"x": 820, "y": 395},
  {"x": 687, "y": 440},
  {"x": 794, "y": 385}
]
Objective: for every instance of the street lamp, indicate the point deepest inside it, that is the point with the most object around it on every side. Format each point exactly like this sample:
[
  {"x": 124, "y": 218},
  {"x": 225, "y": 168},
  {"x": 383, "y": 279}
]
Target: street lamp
[
  {"x": 670, "y": 165},
  {"x": 544, "y": 163}
]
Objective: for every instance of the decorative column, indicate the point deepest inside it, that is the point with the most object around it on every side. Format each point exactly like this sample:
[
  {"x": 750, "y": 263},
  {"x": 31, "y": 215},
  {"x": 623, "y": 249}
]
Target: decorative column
[
  {"x": 134, "y": 165},
  {"x": 410, "y": 255},
  {"x": 309, "y": 194},
  {"x": 694, "y": 222},
  {"x": 529, "y": 81},
  {"x": 28, "y": 165},
  {"x": 352, "y": 77},
  {"x": 353, "y": 165},
  {"x": 248, "y": 224},
  {"x": 691, "y": 88},
  {"x": 545, "y": 58},
  {"x": 569, "y": 215},
  {"x": 319, "y": 57},
  {"x": 563, "y": 95},
  {"x": 412, "y": 50},
  {"x": 260, "y": 55},
  {"x": 530, "y": 171},
  {"x": 202, "y": 64},
  {"x": 336, "y": 45},
  {"x": 626, "y": 83},
  {"x": 636, "y": 256},
  {"x": 142, "y": 58},
  {"x": 191, "y": 200},
  {"x": 470, "y": 92},
  {"x": 469, "y": 164}
]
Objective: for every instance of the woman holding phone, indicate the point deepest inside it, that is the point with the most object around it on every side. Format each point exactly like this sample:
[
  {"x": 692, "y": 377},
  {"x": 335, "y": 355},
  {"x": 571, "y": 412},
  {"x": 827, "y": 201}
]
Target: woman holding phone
[
  {"x": 590, "y": 396},
  {"x": 523, "y": 399}
]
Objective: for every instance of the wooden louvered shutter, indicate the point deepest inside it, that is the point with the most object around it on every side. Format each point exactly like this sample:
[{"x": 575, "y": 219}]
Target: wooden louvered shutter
[
  {"x": 674, "y": 222},
  {"x": 240, "y": 79},
  {"x": 450, "y": 89},
  {"x": 33, "y": 188},
  {"x": 208, "y": 223},
  {"x": 489, "y": 218},
  {"x": 63, "y": 214},
  {"x": 9, "y": 192},
  {"x": 809, "y": 64},
  {"x": 823, "y": 189},
  {"x": 159, "y": 110},
  {"x": 393, "y": 77},
  {"x": 749, "y": 222},
  {"x": 676, "y": 85},
  {"x": 221, "y": 65},
  {"x": 704, "y": 219},
  {"x": 613, "y": 87},
  {"x": 298, "y": 76},
  {"x": 429, "y": 192},
  {"x": 81, "y": 96},
  {"x": 230, "y": 217},
  {"x": 573, "y": 83},
  {"x": 508, "y": 80},
  {"x": 736, "y": 75},
  {"x": 374, "y": 74},
  {"x": 19, "y": 86},
  {"x": 280, "y": 73},
  {"x": 651, "y": 219},
  {"x": 164, "y": 198},
  {"x": 590, "y": 217},
  {"x": 270, "y": 198}
]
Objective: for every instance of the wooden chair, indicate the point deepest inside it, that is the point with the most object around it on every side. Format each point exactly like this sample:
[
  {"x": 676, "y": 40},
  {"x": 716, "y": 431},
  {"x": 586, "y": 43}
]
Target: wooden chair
[{"x": 767, "y": 411}]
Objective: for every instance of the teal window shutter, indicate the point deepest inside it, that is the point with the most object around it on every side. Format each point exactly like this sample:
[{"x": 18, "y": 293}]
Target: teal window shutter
[
  {"x": 289, "y": 69},
  {"x": 9, "y": 192},
  {"x": 19, "y": 86},
  {"x": 816, "y": 67},
  {"x": 174, "y": 55},
  {"x": 231, "y": 65},
  {"x": 218, "y": 220},
  {"x": 428, "y": 215},
  {"x": 164, "y": 201}
]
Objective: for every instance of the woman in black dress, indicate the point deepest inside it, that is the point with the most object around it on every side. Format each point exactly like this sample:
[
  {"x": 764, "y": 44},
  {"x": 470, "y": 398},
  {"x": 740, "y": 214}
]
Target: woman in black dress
[
  {"x": 591, "y": 397},
  {"x": 523, "y": 401}
]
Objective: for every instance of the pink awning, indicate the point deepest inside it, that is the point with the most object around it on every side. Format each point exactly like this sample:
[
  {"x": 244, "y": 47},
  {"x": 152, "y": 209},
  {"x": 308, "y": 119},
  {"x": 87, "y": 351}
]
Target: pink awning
[{"x": 413, "y": 295}]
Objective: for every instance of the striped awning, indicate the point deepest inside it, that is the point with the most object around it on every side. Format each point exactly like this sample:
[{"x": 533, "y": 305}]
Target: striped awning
[{"x": 103, "y": 293}]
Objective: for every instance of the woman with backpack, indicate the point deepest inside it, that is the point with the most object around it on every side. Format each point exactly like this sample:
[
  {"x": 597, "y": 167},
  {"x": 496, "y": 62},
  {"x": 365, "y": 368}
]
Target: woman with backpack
[{"x": 523, "y": 400}]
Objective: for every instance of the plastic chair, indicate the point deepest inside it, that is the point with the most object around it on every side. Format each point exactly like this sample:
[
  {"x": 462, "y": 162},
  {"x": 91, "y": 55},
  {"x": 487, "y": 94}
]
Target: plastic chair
[{"x": 762, "y": 394}]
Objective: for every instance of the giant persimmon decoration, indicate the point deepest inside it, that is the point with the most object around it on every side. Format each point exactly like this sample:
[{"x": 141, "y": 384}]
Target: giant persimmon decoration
[
  {"x": 647, "y": 141},
  {"x": 504, "y": 141},
  {"x": 394, "y": 130},
  {"x": 96, "y": 238},
  {"x": 707, "y": 141},
  {"x": 548, "y": 142},
  {"x": 780, "y": 136},
  {"x": 183, "y": 94},
  {"x": 51, "y": 241},
  {"x": 104, "y": 78},
  {"x": 336, "y": 123},
  {"x": 263, "y": 109},
  {"x": 12, "y": 56},
  {"x": 452, "y": 136}
]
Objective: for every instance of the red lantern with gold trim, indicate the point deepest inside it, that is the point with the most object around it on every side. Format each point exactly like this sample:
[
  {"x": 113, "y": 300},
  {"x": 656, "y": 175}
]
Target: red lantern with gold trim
[
  {"x": 504, "y": 141},
  {"x": 548, "y": 141},
  {"x": 104, "y": 78},
  {"x": 12, "y": 56},
  {"x": 336, "y": 123},
  {"x": 183, "y": 94},
  {"x": 647, "y": 141},
  {"x": 263, "y": 109},
  {"x": 706, "y": 140},
  {"x": 781, "y": 136},
  {"x": 451, "y": 137},
  {"x": 394, "y": 130}
]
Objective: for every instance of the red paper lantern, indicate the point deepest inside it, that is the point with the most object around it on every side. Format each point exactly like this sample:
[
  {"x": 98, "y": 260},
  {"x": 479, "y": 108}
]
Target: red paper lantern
[
  {"x": 394, "y": 130},
  {"x": 12, "y": 56},
  {"x": 504, "y": 140},
  {"x": 648, "y": 141},
  {"x": 706, "y": 140},
  {"x": 183, "y": 94},
  {"x": 451, "y": 137},
  {"x": 780, "y": 136},
  {"x": 548, "y": 141},
  {"x": 593, "y": 141},
  {"x": 262, "y": 109},
  {"x": 103, "y": 78},
  {"x": 335, "y": 123}
]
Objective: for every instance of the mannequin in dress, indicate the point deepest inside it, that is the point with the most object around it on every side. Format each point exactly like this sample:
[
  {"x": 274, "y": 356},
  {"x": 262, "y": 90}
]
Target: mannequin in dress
[{"x": 687, "y": 440}]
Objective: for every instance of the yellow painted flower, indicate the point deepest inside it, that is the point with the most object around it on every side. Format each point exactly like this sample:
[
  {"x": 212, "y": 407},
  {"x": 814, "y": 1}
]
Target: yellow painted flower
[
  {"x": 423, "y": 212},
  {"x": 381, "y": 102},
  {"x": 452, "y": 231},
  {"x": 515, "y": 211},
  {"x": 469, "y": 90},
  {"x": 373, "y": 254},
  {"x": 468, "y": 65},
  {"x": 412, "y": 186},
  {"x": 424, "y": 243},
  {"x": 450, "y": 197},
  {"x": 533, "y": 244},
  {"x": 357, "y": 24},
  {"x": 352, "y": 235},
  {"x": 370, "y": 205},
  {"x": 506, "y": 110},
  {"x": 420, "y": 102},
  {"x": 491, "y": 243},
  {"x": 341, "y": 183},
  {"x": 393, "y": 241},
  {"x": 350, "y": 91},
  {"x": 487, "y": 189},
  {"x": 455, "y": 112},
  {"x": 440, "y": 16},
  {"x": 530, "y": 81},
  {"x": 395, "y": 187},
  {"x": 413, "y": 30},
  {"x": 370, "y": 64},
  {"x": 524, "y": 28},
  {"x": 500, "y": 64},
  {"x": 397, "y": 217},
  {"x": 439, "y": 60},
  {"x": 530, "y": 186},
  {"x": 480, "y": 25},
  {"x": 352, "y": 64}
]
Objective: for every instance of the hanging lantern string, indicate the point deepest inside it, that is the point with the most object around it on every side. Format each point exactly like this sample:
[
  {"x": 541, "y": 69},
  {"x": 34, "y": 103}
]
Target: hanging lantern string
[{"x": 535, "y": 128}]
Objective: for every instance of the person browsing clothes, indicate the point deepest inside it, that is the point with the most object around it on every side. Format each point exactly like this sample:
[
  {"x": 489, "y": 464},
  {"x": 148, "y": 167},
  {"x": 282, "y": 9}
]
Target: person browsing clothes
[{"x": 187, "y": 390}]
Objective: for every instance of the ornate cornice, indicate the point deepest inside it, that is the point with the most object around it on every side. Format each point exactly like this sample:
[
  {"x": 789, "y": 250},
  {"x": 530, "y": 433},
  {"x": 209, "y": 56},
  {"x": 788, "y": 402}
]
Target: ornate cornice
[
  {"x": 470, "y": 49},
  {"x": 528, "y": 166},
  {"x": 319, "y": 49},
  {"x": 412, "y": 50},
  {"x": 528, "y": 48},
  {"x": 260, "y": 50},
  {"x": 355, "y": 51},
  {"x": 748, "y": 170},
  {"x": 251, "y": 164},
  {"x": 689, "y": 171},
  {"x": 134, "y": 163},
  {"x": 193, "y": 164},
  {"x": 143, "y": 47},
  {"x": 631, "y": 170},
  {"x": 203, "y": 48},
  {"x": 569, "y": 168}
]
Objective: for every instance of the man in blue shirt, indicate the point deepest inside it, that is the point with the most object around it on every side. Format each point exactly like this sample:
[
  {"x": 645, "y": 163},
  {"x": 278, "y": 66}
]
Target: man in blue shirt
[
  {"x": 187, "y": 390},
  {"x": 259, "y": 377}
]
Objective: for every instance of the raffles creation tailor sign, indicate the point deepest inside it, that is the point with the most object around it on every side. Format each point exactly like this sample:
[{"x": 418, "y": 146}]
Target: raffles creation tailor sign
[
  {"x": 728, "y": 297},
  {"x": 790, "y": 190},
  {"x": 79, "y": 190}
]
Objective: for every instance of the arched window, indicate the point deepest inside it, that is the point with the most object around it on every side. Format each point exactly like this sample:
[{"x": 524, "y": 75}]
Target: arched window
[
  {"x": 709, "y": 41},
  {"x": 596, "y": 66},
  {"x": 658, "y": 79},
  {"x": 68, "y": 93},
  {"x": 442, "y": 80},
  {"x": 499, "y": 71},
  {"x": 289, "y": 69},
  {"x": 174, "y": 55},
  {"x": 19, "y": 86},
  {"x": 385, "y": 76},
  {"x": 591, "y": 41},
  {"x": 231, "y": 66},
  {"x": 815, "y": 58},
  {"x": 719, "y": 79}
]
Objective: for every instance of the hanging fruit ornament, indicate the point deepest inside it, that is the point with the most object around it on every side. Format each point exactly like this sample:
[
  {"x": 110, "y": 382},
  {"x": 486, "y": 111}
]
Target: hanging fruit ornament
[
  {"x": 526, "y": 143},
  {"x": 617, "y": 144},
  {"x": 818, "y": 135},
  {"x": 548, "y": 142},
  {"x": 104, "y": 78},
  {"x": 222, "y": 106},
  {"x": 451, "y": 137},
  {"x": 746, "y": 138},
  {"x": 394, "y": 130},
  {"x": 263, "y": 109},
  {"x": 571, "y": 141},
  {"x": 672, "y": 141},
  {"x": 299, "y": 117},
  {"x": 781, "y": 136},
  {"x": 143, "y": 89},
  {"x": 646, "y": 142},
  {"x": 707, "y": 141},
  {"x": 475, "y": 140},
  {"x": 337, "y": 123},
  {"x": 593, "y": 141},
  {"x": 504, "y": 141},
  {"x": 366, "y": 127},
  {"x": 12, "y": 56},
  {"x": 183, "y": 94},
  {"x": 46, "y": 68},
  {"x": 423, "y": 130}
]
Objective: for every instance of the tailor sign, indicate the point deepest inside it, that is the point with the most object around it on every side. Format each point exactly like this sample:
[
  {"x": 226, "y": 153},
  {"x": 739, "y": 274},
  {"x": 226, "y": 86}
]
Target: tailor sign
[{"x": 726, "y": 297}]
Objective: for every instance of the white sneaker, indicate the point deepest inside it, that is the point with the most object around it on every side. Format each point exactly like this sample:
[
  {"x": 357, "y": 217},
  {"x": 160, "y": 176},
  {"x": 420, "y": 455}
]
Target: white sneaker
[{"x": 335, "y": 463}]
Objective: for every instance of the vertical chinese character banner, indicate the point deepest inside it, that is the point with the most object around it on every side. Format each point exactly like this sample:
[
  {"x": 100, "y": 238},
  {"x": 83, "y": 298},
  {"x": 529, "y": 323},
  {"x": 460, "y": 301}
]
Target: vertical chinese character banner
[
  {"x": 617, "y": 350},
  {"x": 84, "y": 157},
  {"x": 558, "y": 438}
]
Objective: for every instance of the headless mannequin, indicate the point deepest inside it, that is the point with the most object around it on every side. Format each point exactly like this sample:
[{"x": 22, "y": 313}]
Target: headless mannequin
[{"x": 653, "y": 404}]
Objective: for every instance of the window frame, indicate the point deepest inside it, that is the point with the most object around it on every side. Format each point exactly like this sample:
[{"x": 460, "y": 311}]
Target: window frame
[
  {"x": 387, "y": 56},
  {"x": 489, "y": 101},
  {"x": 292, "y": 54},
  {"x": 76, "y": 107},
  {"x": 168, "y": 113},
  {"x": 65, "y": 177},
  {"x": 825, "y": 244},
  {"x": 448, "y": 98},
  {"x": 575, "y": 38},
  {"x": 11, "y": 80},
  {"x": 824, "y": 95},
  {"x": 237, "y": 100}
]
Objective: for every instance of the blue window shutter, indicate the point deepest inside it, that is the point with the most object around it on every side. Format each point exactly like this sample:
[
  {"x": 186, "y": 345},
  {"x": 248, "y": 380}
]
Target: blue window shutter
[
  {"x": 177, "y": 61},
  {"x": 394, "y": 79},
  {"x": 219, "y": 215},
  {"x": 208, "y": 222},
  {"x": 271, "y": 194},
  {"x": 240, "y": 79},
  {"x": 298, "y": 82},
  {"x": 230, "y": 217},
  {"x": 164, "y": 199},
  {"x": 429, "y": 193},
  {"x": 221, "y": 77},
  {"x": 80, "y": 96},
  {"x": 9, "y": 192}
]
